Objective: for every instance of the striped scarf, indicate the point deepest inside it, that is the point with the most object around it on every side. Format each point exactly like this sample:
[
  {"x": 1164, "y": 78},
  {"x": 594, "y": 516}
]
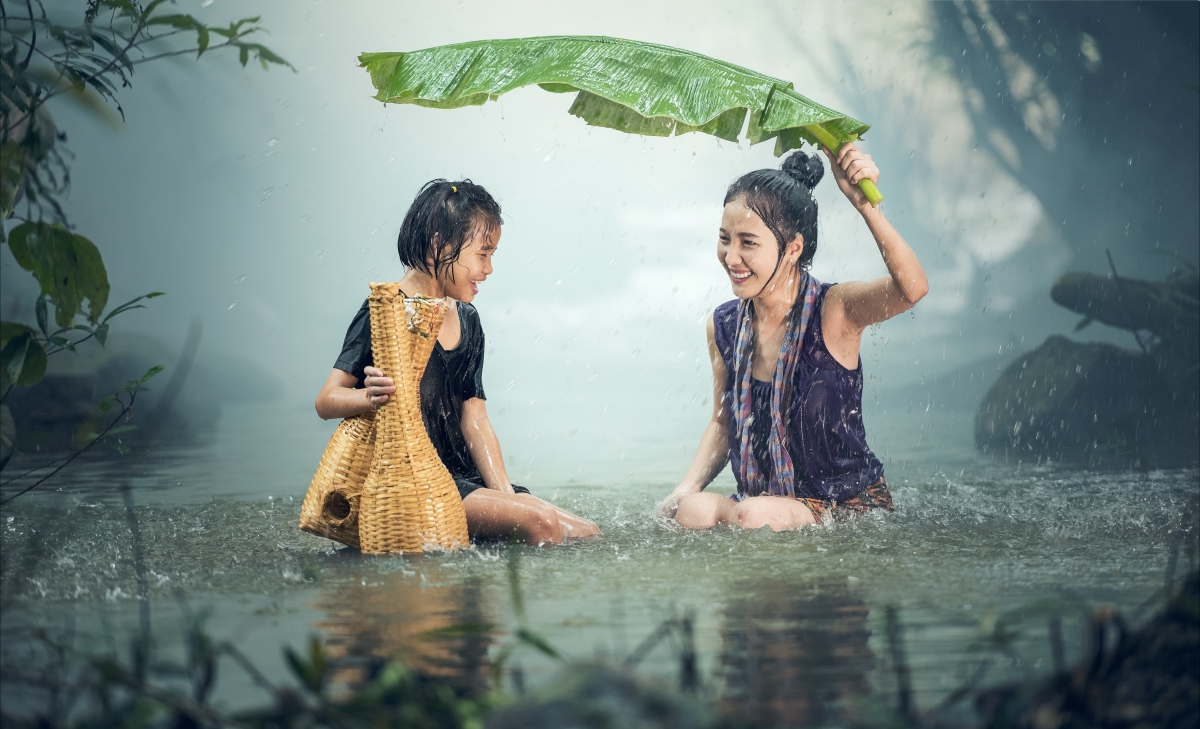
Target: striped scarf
[{"x": 782, "y": 481}]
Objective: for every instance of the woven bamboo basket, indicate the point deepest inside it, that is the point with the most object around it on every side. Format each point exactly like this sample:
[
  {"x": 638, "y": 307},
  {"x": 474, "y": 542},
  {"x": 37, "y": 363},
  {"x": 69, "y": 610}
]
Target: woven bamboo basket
[
  {"x": 330, "y": 507},
  {"x": 409, "y": 500}
]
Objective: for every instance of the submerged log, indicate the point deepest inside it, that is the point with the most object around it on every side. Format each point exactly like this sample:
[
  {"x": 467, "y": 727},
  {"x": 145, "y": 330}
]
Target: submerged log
[
  {"x": 1169, "y": 310},
  {"x": 1166, "y": 308}
]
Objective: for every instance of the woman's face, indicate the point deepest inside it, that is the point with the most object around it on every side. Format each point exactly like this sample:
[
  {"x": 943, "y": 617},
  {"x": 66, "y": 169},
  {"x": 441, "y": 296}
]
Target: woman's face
[
  {"x": 460, "y": 280},
  {"x": 748, "y": 250}
]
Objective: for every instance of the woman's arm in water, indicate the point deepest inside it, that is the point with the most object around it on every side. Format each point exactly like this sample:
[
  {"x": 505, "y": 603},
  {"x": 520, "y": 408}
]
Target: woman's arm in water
[
  {"x": 339, "y": 399},
  {"x": 483, "y": 445},
  {"x": 853, "y": 306},
  {"x": 713, "y": 453}
]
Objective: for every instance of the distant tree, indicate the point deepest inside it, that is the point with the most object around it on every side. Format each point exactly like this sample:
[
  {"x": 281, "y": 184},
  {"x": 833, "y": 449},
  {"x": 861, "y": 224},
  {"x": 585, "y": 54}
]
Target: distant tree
[
  {"x": 87, "y": 60},
  {"x": 1093, "y": 107}
]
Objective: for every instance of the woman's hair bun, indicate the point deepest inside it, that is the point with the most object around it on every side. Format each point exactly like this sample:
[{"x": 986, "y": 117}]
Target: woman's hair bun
[{"x": 806, "y": 170}]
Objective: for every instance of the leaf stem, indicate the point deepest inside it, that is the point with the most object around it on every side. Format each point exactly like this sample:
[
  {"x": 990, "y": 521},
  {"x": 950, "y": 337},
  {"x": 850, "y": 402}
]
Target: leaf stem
[{"x": 874, "y": 196}]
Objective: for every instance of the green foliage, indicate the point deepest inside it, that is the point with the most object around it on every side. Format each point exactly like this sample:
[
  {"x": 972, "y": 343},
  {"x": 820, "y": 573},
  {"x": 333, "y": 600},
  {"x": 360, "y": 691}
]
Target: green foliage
[
  {"x": 12, "y": 165},
  {"x": 22, "y": 359},
  {"x": 634, "y": 87},
  {"x": 233, "y": 36},
  {"x": 525, "y": 635},
  {"x": 68, "y": 267},
  {"x": 87, "y": 62},
  {"x": 311, "y": 672}
]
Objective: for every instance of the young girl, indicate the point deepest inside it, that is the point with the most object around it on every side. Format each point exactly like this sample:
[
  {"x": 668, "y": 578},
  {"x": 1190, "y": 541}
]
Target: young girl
[
  {"x": 446, "y": 244},
  {"x": 787, "y": 379}
]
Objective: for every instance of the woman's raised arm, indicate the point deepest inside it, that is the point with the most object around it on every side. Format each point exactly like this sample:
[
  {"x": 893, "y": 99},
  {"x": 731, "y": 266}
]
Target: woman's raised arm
[
  {"x": 713, "y": 453},
  {"x": 864, "y": 303}
]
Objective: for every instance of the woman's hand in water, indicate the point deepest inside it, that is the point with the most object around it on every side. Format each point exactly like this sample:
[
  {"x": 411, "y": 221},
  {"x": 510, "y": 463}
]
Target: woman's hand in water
[
  {"x": 849, "y": 167},
  {"x": 670, "y": 505},
  {"x": 379, "y": 387}
]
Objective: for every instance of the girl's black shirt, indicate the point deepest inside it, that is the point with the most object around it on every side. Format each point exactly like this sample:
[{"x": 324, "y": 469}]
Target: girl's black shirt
[{"x": 451, "y": 377}]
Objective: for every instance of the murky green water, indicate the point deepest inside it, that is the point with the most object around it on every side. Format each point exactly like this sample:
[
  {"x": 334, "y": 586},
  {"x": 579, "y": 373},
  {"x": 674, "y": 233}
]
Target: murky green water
[{"x": 788, "y": 626}]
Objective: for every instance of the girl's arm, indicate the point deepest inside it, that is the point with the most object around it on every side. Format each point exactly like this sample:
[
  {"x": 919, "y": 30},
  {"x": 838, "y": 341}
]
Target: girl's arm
[
  {"x": 339, "y": 399},
  {"x": 484, "y": 445},
  {"x": 713, "y": 452},
  {"x": 853, "y": 306}
]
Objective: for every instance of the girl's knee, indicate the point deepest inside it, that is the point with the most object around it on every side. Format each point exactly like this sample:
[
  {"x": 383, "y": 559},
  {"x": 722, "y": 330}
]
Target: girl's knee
[
  {"x": 542, "y": 526},
  {"x": 586, "y": 530}
]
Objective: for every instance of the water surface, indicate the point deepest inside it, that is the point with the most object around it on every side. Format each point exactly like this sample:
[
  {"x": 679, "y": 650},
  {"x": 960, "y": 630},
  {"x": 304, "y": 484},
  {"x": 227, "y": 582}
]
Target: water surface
[{"x": 789, "y": 627}]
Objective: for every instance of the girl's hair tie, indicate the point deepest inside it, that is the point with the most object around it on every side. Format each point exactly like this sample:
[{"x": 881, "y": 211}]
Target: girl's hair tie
[{"x": 453, "y": 189}]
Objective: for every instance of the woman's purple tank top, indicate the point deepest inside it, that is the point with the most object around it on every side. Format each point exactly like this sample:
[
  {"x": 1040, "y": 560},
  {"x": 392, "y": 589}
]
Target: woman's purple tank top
[{"x": 826, "y": 437}]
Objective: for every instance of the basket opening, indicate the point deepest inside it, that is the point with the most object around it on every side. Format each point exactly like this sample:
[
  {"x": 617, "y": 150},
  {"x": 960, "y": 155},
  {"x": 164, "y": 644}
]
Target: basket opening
[{"x": 337, "y": 506}]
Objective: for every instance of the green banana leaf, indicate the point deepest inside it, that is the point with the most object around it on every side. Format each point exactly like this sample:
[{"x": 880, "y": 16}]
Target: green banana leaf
[{"x": 633, "y": 87}]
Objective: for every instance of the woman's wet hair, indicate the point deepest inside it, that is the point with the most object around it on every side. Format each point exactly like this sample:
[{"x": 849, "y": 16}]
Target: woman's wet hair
[
  {"x": 784, "y": 200},
  {"x": 441, "y": 220}
]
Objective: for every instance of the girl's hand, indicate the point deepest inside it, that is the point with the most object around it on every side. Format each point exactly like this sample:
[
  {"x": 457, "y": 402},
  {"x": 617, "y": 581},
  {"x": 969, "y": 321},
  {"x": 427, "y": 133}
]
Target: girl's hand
[
  {"x": 378, "y": 387},
  {"x": 851, "y": 166}
]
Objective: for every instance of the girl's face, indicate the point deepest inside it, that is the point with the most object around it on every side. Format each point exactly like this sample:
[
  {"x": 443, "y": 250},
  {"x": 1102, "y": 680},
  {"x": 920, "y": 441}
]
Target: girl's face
[
  {"x": 460, "y": 280},
  {"x": 748, "y": 250}
]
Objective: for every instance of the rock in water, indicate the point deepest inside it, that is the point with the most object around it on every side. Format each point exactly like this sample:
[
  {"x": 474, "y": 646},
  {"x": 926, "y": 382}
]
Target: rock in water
[
  {"x": 1090, "y": 404},
  {"x": 1098, "y": 405}
]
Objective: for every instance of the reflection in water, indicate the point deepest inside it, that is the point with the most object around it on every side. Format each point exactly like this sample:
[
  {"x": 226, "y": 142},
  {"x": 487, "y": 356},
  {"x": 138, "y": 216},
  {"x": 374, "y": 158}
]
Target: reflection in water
[
  {"x": 437, "y": 627},
  {"x": 794, "y": 655}
]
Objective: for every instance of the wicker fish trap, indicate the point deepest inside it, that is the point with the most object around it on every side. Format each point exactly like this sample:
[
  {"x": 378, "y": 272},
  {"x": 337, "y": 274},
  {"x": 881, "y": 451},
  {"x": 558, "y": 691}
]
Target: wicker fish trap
[
  {"x": 409, "y": 500},
  {"x": 330, "y": 507}
]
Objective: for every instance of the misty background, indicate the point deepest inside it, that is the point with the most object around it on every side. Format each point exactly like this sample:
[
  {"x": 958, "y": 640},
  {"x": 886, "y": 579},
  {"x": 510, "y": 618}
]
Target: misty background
[{"x": 1016, "y": 143}]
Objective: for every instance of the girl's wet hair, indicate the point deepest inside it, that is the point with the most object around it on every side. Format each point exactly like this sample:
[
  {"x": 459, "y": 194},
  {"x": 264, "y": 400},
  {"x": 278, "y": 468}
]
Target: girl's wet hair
[
  {"x": 441, "y": 220},
  {"x": 784, "y": 200}
]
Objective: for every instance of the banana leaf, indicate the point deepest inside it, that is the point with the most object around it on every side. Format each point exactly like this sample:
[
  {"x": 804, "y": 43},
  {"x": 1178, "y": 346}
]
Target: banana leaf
[{"x": 633, "y": 87}]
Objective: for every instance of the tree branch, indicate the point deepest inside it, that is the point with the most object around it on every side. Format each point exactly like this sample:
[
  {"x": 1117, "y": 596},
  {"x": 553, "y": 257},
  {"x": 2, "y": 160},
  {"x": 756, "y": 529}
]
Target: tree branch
[
  {"x": 32, "y": 29},
  {"x": 124, "y": 410},
  {"x": 168, "y": 54},
  {"x": 32, "y": 470},
  {"x": 138, "y": 29}
]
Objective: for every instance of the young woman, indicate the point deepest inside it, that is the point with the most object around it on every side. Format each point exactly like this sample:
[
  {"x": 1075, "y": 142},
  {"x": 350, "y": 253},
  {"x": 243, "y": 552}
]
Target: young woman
[
  {"x": 787, "y": 379},
  {"x": 446, "y": 243}
]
